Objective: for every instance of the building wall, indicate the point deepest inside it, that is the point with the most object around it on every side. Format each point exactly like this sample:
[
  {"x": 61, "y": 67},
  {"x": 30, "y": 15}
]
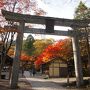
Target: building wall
[{"x": 58, "y": 69}]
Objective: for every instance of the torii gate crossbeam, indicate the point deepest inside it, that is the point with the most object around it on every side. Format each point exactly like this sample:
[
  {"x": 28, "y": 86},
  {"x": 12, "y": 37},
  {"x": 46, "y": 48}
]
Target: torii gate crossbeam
[
  {"x": 16, "y": 17},
  {"x": 69, "y": 33}
]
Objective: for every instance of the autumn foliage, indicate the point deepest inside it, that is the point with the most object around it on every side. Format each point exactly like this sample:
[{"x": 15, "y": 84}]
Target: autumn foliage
[
  {"x": 1, "y": 3},
  {"x": 22, "y": 6},
  {"x": 59, "y": 49},
  {"x": 25, "y": 57}
]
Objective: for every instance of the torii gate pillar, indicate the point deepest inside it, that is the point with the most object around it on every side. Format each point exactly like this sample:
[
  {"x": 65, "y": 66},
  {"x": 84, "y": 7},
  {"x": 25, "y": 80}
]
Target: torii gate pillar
[
  {"x": 16, "y": 62},
  {"x": 77, "y": 60}
]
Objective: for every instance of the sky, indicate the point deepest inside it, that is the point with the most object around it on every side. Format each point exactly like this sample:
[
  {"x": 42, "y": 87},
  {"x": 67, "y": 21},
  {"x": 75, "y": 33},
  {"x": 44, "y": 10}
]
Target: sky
[{"x": 60, "y": 9}]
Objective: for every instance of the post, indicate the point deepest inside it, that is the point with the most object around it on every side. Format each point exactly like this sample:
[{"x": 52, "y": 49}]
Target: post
[
  {"x": 49, "y": 26},
  {"x": 77, "y": 61},
  {"x": 15, "y": 69}
]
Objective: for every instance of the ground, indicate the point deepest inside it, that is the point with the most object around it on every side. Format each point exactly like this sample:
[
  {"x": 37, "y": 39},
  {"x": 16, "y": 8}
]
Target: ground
[
  {"x": 38, "y": 82},
  {"x": 23, "y": 85}
]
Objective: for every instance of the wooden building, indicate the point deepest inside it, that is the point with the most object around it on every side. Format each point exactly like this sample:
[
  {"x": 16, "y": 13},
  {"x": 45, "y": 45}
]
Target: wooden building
[{"x": 58, "y": 68}]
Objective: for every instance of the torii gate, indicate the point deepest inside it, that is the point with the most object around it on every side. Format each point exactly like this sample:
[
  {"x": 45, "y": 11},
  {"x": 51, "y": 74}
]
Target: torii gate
[{"x": 50, "y": 22}]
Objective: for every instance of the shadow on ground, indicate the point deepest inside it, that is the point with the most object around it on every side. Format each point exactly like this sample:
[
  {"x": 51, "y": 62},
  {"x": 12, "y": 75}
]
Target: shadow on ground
[{"x": 22, "y": 85}]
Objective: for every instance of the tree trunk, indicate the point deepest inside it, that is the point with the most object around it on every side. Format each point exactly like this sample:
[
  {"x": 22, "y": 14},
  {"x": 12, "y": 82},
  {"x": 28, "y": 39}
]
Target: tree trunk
[{"x": 3, "y": 58}]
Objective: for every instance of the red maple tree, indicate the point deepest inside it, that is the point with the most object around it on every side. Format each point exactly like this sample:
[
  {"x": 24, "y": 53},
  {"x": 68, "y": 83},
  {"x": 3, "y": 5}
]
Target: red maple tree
[
  {"x": 21, "y": 6},
  {"x": 60, "y": 49}
]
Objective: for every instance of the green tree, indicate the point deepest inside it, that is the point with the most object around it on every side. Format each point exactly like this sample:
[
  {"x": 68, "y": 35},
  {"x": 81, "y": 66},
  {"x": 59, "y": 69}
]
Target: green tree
[
  {"x": 83, "y": 12},
  {"x": 28, "y": 45}
]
